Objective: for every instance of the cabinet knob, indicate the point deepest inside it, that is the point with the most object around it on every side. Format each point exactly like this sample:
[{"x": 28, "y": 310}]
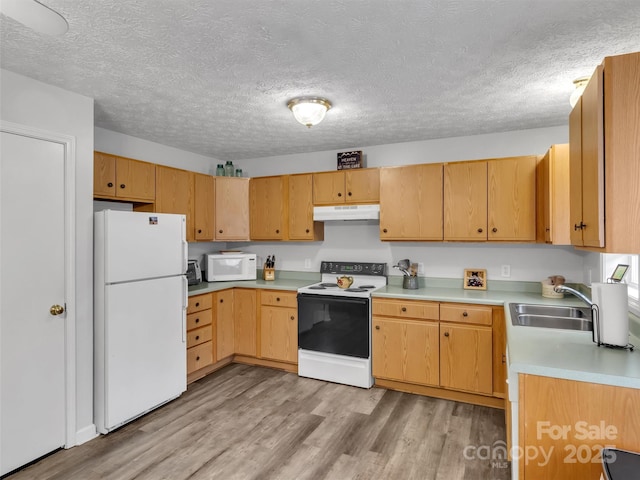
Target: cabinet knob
[
  {"x": 199, "y": 231},
  {"x": 197, "y": 337},
  {"x": 198, "y": 358},
  {"x": 222, "y": 300},
  {"x": 277, "y": 231},
  {"x": 377, "y": 327},
  {"x": 494, "y": 229},
  {"x": 349, "y": 193},
  {"x": 339, "y": 194},
  {"x": 197, "y": 320},
  {"x": 122, "y": 185},
  {"x": 504, "y": 359},
  {"x": 446, "y": 334},
  {"x": 277, "y": 299},
  {"x": 220, "y": 231},
  {"x": 404, "y": 309},
  {"x": 384, "y": 230},
  {"x": 110, "y": 184},
  {"x": 292, "y": 317},
  {"x": 479, "y": 230},
  {"x": 465, "y": 314},
  {"x": 307, "y": 230},
  {"x": 197, "y": 304}
]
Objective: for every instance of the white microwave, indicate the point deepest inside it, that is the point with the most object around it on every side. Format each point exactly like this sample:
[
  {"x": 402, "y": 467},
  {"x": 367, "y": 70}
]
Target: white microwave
[{"x": 233, "y": 266}]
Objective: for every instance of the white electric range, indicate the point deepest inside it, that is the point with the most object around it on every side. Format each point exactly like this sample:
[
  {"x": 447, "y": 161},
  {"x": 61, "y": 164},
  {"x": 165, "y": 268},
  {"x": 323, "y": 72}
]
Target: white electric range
[{"x": 334, "y": 324}]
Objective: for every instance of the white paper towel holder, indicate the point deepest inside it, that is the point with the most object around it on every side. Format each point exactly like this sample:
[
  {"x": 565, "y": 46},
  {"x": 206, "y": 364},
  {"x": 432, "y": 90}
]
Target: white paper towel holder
[{"x": 597, "y": 332}]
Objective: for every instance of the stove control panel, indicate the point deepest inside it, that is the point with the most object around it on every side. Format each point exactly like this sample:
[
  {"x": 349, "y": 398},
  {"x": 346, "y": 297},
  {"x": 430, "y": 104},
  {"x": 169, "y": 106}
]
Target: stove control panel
[{"x": 353, "y": 268}]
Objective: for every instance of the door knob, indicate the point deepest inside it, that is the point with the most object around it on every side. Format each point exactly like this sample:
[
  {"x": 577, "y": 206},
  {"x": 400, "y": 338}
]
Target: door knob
[{"x": 56, "y": 309}]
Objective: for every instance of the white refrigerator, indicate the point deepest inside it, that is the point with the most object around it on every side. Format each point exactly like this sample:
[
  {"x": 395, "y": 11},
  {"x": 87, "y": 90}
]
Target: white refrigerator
[{"x": 140, "y": 305}]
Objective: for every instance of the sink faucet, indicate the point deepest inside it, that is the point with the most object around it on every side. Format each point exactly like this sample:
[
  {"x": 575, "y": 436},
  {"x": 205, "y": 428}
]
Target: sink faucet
[{"x": 564, "y": 288}]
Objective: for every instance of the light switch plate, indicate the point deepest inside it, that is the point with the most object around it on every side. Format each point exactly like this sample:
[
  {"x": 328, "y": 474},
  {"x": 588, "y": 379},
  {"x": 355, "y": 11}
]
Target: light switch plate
[{"x": 506, "y": 271}]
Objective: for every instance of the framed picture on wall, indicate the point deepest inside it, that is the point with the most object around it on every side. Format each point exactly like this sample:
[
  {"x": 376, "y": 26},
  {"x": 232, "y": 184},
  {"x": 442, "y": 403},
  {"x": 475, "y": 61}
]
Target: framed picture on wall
[{"x": 475, "y": 279}]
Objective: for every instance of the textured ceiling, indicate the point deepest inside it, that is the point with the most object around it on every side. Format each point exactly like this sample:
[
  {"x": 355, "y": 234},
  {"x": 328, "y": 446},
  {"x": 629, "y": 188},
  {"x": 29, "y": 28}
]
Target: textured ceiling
[{"x": 214, "y": 77}]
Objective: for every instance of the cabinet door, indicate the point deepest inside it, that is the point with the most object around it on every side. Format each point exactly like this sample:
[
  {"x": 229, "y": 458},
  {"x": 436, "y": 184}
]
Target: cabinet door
[
  {"x": 405, "y": 350},
  {"x": 232, "y": 208},
  {"x": 301, "y": 224},
  {"x": 245, "y": 321},
  {"x": 135, "y": 180},
  {"x": 223, "y": 304},
  {"x": 465, "y": 201},
  {"x": 499, "y": 353},
  {"x": 328, "y": 188},
  {"x": 204, "y": 206},
  {"x": 512, "y": 199},
  {"x": 267, "y": 197},
  {"x": 552, "y": 197},
  {"x": 175, "y": 194},
  {"x": 411, "y": 202},
  {"x": 466, "y": 358},
  {"x": 279, "y": 334},
  {"x": 593, "y": 162},
  {"x": 575, "y": 170},
  {"x": 104, "y": 175},
  {"x": 362, "y": 185}
]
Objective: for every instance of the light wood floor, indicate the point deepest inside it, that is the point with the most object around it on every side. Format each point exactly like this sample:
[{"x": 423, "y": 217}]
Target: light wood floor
[{"x": 256, "y": 423}]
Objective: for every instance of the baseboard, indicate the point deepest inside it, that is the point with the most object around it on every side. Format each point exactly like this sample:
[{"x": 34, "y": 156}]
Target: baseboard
[{"x": 85, "y": 434}]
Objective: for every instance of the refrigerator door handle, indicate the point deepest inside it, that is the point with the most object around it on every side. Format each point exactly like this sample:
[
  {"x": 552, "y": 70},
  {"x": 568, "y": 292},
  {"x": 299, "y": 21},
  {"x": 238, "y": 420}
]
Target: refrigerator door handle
[
  {"x": 185, "y": 302},
  {"x": 185, "y": 249}
]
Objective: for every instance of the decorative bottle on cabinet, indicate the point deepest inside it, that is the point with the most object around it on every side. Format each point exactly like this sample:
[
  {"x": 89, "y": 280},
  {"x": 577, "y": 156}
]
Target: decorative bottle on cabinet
[
  {"x": 220, "y": 170},
  {"x": 228, "y": 169}
]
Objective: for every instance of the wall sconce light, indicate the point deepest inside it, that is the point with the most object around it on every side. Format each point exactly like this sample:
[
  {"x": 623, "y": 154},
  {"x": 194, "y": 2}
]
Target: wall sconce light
[
  {"x": 309, "y": 111},
  {"x": 580, "y": 84}
]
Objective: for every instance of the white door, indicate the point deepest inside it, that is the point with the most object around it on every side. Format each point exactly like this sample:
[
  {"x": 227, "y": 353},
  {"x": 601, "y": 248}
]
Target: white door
[{"x": 32, "y": 280}]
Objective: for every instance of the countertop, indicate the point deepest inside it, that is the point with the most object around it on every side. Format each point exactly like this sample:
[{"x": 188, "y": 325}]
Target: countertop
[{"x": 548, "y": 352}]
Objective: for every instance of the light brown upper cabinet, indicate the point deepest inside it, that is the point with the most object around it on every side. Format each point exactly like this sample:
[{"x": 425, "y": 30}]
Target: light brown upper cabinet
[
  {"x": 511, "y": 205},
  {"x": 552, "y": 197},
  {"x": 204, "y": 207},
  {"x": 175, "y": 194},
  {"x": 491, "y": 200},
  {"x": 411, "y": 202},
  {"x": 604, "y": 139},
  {"x": 232, "y": 209},
  {"x": 268, "y": 202},
  {"x": 465, "y": 201},
  {"x": 117, "y": 178},
  {"x": 301, "y": 224},
  {"x": 357, "y": 186}
]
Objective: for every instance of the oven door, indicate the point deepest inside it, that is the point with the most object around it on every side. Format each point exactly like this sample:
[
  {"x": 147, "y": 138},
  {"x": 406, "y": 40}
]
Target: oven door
[{"x": 330, "y": 324}]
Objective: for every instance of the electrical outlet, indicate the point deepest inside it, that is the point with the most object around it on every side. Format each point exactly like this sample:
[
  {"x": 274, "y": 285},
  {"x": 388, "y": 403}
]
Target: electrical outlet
[
  {"x": 420, "y": 268},
  {"x": 506, "y": 271},
  {"x": 307, "y": 263}
]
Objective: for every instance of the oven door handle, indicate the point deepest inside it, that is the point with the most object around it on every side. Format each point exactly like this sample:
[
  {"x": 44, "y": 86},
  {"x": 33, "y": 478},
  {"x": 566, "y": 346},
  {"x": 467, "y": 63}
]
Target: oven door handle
[{"x": 332, "y": 299}]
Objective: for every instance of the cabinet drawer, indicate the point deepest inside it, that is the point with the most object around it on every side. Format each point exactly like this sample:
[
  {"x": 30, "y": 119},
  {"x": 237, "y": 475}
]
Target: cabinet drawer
[
  {"x": 198, "y": 336},
  {"x": 451, "y": 312},
  {"x": 406, "y": 309},
  {"x": 199, "y": 319},
  {"x": 199, "y": 302},
  {"x": 199, "y": 357},
  {"x": 279, "y": 299}
]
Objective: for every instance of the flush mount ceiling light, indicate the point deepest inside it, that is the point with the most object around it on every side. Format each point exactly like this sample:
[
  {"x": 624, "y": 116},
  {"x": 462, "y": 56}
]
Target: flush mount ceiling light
[
  {"x": 580, "y": 84},
  {"x": 35, "y": 15},
  {"x": 309, "y": 111}
]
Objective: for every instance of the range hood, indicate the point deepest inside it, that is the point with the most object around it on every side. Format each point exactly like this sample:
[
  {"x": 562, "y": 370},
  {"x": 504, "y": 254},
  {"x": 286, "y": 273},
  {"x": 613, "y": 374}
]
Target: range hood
[{"x": 346, "y": 212}]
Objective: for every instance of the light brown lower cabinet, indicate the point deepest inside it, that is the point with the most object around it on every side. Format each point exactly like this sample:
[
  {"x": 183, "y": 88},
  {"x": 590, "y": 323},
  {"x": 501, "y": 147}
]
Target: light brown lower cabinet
[
  {"x": 200, "y": 347},
  {"x": 563, "y": 425},
  {"x": 225, "y": 339},
  {"x": 245, "y": 321},
  {"x": 279, "y": 326}
]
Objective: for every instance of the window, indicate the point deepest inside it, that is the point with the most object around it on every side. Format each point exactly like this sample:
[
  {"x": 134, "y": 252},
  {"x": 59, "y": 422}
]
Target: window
[{"x": 609, "y": 262}]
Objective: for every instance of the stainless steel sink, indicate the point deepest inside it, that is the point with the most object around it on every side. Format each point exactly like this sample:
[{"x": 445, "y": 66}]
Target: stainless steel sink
[{"x": 551, "y": 316}]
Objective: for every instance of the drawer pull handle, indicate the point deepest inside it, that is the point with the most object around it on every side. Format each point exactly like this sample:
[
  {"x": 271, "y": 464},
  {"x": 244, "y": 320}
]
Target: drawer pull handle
[
  {"x": 197, "y": 320},
  {"x": 110, "y": 184},
  {"x": 446, "y": 334},
  {"x": 277, "y": 299},
  {"x": 197, "y": 304},
  {"x": 404, "y": 309},
  {"x": 377, "y": 327},
  {"x": 465, "y": 314},
  {"x": 197, "y": 337},
  {"x": 197, "y": 358}
]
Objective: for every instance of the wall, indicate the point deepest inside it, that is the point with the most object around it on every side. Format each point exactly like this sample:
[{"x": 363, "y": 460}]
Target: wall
[
  {"x": 127, "y": 146},
  {"x": 32, "y": 103},
  {"x": 360, "y": 241}
]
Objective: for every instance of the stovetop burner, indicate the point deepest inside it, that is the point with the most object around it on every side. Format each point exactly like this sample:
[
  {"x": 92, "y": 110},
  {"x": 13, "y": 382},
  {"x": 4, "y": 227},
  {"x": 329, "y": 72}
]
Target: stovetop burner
[
  {"x": 366, "y": 286},
  {"x": 356, "y": 289},
  {"x": 317, "y": 287},
  {"x": 328, "y": 284}
]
